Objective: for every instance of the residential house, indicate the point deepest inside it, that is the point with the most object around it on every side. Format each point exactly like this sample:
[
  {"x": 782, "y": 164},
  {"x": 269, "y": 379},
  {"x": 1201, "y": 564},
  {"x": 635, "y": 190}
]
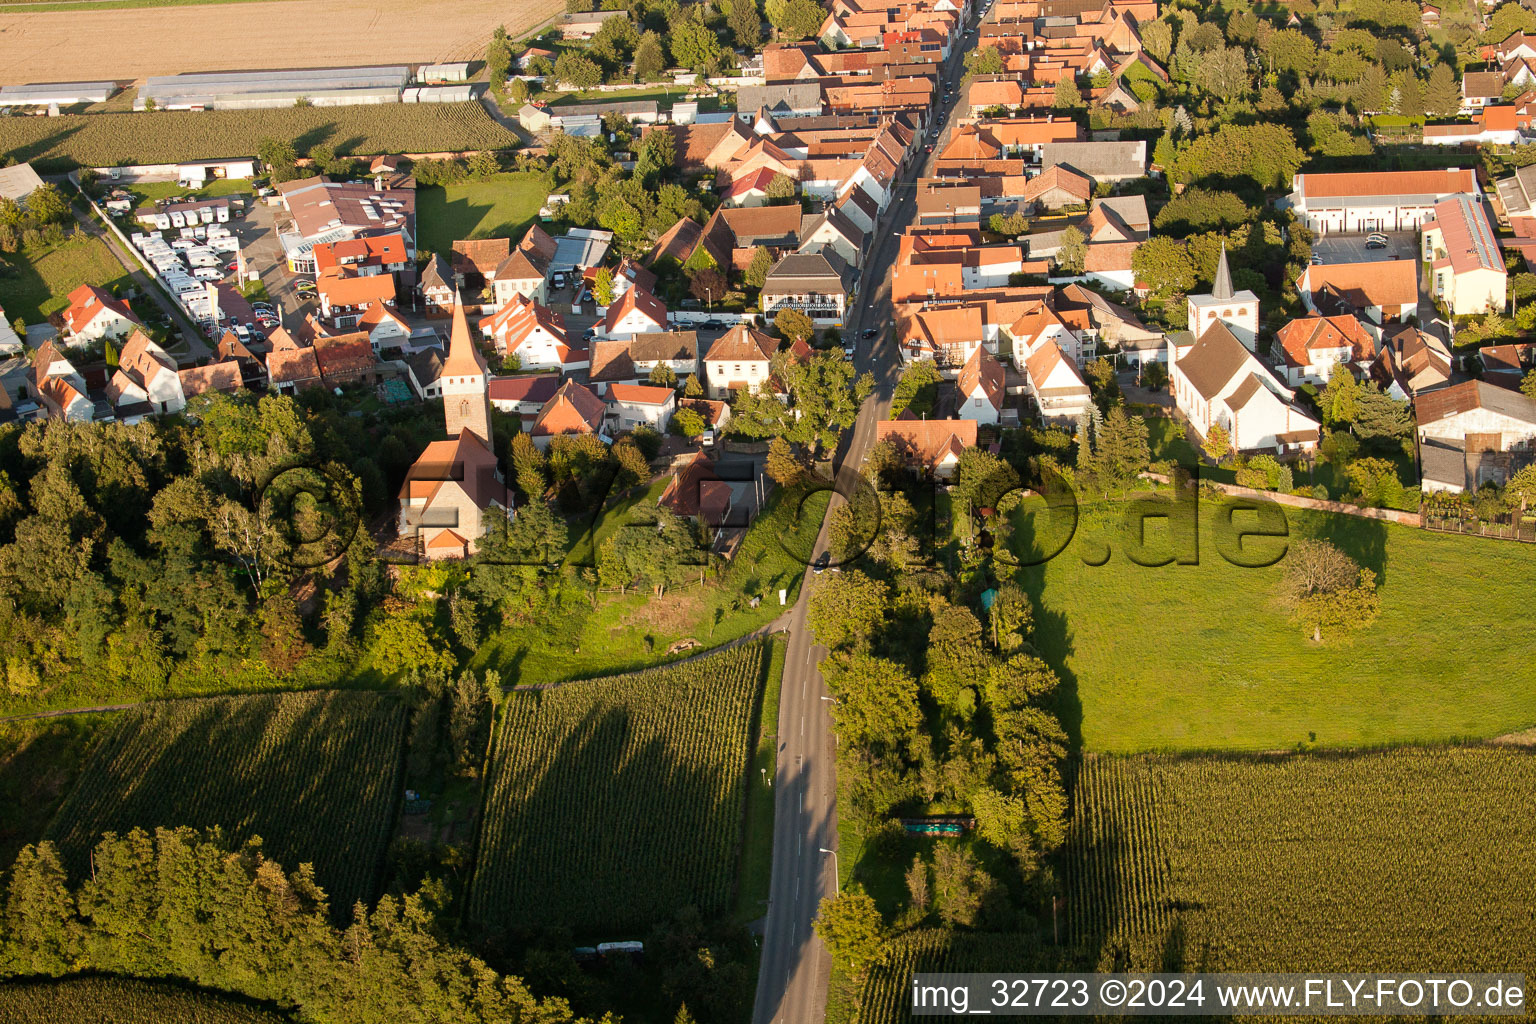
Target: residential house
[
  {"x": 1382, "y": 290},
  {"x": 934, "y": 446},
  {"x": 696, "y": 491},
  {"x": 146, "y": 373},
  {"x": 424, "y": 372},
  {"x": 1473, "y": 433},
  {"x": 571, "y": 410},
  {"x": 981, "y": 388},
  {"x": 636, "y": 405},
  {"x": 385, "y": 328},
  {"x": 535, "y": 335},
  {"x": 1480, "y": 88},
  {"x": 1099, "y": 161},
  {"x": 1115, "y": 325},
  {"x": 362, "y": 257},
  {"x": 1055, "y": 384},
  {"x": 1409, "y": 362},
  {"x": 637, "y": 311},
  {"x": 291, "y": 370},
  {"x": 678, "y": 350},
  {"x": 523, "y": 395},
  {"x": 738, "y": 359},
  {"x": 224, "y": 376},
  {"x": 1312, "y": 346},
  {"x": 586, "y": 24},
  {"x": 816, "y": 284},
  {"x": 93, "y": 314},
  {"x": 832, "y": 229},
  {"x": 55, "y": 384},
  {"x": 437, "y": 284},
  {"x": 345, "y": 299},
  {"x": 346, "y": 359},
  {"x": 1466, "y": 266}
]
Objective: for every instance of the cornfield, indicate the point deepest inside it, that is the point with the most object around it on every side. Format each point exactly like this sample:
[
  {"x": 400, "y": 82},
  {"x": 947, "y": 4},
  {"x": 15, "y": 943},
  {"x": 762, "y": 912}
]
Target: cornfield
[
  {"x": 315, "y": 775},
  {"x": 886, "y": 997},
  {"x": 1414, "y": 859},
  {"x": 98, "y": 1000},
  {"x": 106, "y": 140},
  {"x": 614, "y": 802}
]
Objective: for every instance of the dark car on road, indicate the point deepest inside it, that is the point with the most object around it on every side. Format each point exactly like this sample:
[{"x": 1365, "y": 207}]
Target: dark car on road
[{"x": 822, "y": 561}]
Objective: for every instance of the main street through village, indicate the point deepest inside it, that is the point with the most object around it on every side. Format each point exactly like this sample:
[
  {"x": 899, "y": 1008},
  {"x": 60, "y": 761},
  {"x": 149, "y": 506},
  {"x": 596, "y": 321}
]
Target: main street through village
[{"x": 794, "y": 971}]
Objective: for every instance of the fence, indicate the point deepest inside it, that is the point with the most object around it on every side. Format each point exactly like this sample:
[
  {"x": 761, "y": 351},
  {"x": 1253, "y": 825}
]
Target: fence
[
  {"x": 1524, "y": 533},
  {"x": 1390, "y": 515}
]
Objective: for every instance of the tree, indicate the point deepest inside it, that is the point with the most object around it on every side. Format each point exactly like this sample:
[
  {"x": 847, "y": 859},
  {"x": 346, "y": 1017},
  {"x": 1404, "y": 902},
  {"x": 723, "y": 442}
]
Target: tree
[
  {"x": 795, "y": 20},
  {"x": 781, "y": 186},
  {"x": 658, "y": 153},
  {"x": 484, "y": 164},
  {"x": 1325, "y": 587},
  {"x": 1073, "y": 254},
  {"x": 851, "y": 926},
  {"x": 746, "y": 24},
  {"x": 794, "y": 325},
  {"x": 1122, "y": 450},
  {"x": 782, "y": 465},
  {"x": 687, "y": 422},
  {"x": 877, "y": 702},
  {"x": 1291, "y": 51},
  {"x": 1339, "y": 400},
  {"x": 528, "y": 467},
  {"x": 1442, "y": 97},
  {"x": 602, "y": 287},
  {"x": 662, "y": 375},
  {"x": 707, "y": 285},
  {"x": 498, "y": 56},
  {"x": 1157, "y": 39},
  {"x": 1164, "y": 262},
  {"x": 984, "y": 60},
  {"x": 846, "y": 609},
  {"x": 279, "y": 159},
  {"x": 1218, "y": 443},
  {"x": 650, "y": 58},
  {"x": 694, "y": 46},
  {"x": 756, "y": 274},
  {"x": 1224, "y": 73},
  {"x": 1527, "y": 383},
  {"x": 917, "y": 389},
  {"x": 47, "y": 203},
  {"x": 580, "y": 72},
  {"x": 1068, "y": 95},
  {"x": 1380, "y": 418}
]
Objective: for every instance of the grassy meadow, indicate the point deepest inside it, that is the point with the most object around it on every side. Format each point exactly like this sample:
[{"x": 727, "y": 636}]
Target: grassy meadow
[{"x": 1206, "y": 657}]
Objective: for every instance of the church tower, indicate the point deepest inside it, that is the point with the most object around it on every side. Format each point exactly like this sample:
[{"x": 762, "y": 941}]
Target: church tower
[
  {"x": 1238, "y": 310},
  {"x": 465, "y": 377}
]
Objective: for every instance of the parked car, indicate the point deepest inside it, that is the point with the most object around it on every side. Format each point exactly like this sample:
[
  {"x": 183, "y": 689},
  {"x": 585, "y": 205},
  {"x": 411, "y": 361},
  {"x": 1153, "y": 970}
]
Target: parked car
[
  {"x": 1376, "y": 236},
  {"x": 1371, "y": 243},
  {"x": 822, "y": 561},
  {"x": 1317, "y": 259}
]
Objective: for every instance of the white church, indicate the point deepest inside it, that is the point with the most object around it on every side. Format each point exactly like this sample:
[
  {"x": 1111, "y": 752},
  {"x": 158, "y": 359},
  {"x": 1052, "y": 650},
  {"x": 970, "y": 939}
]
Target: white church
[{"x": 1216, "y": 378}]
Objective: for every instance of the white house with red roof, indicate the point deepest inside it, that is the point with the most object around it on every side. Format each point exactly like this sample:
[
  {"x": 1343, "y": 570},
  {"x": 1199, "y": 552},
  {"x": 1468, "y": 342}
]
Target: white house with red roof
[
  {"x": 1466, "y": 264},
  {"x": 981, "y": 388},
  {"x": 738, "y": 359},
  {"x": 146, "y": 373},
  {"x": 636, "y": 312},
  {"x": 635, "y": 405},
  {"x": 364, "y": 257},
  {"x": 535, "y": 334},
  {"x": 931, "y": 445},
  {"x": 385, "y": 327},
  {"x": 1362, "y": 201},
  {"x": 523, "y": 395},
  {"x": 1038, "y": 325},
  {"x": 58, "y": 387},
  {"x": 1311, "y": 347},
  {"x": 94, "y": 314}
]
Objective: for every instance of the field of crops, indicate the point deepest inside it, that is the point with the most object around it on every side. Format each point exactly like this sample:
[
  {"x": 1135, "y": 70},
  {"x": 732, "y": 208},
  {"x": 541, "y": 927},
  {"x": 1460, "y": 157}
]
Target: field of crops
[
  {"x": 887, "y": 994},
  {"x": 315, "y": 775},
  {"x": 613, "y": 802},
  {"x": 122, "y": 1001},
  {"x": 1412, "y": 859},
  {"x": 103, "y": 140}
]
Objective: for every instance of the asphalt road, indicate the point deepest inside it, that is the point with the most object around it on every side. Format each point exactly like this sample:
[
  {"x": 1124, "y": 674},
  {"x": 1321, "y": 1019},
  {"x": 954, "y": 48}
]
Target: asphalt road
[{"x": 795, "y": 969}]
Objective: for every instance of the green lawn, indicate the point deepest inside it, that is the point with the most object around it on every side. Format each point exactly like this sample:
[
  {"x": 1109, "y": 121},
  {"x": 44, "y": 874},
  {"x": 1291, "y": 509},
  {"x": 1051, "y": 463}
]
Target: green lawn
[
  {"x": 662, "y": 94},
  {"x": 37, "y": 282},
  {"x": 626, "y": 632},
  {"x": 1205, "y": 657},
  {"x": 757, "y": 836},
  {"x": 149, "y": 191},
  {"x": 502, "y": 205}
]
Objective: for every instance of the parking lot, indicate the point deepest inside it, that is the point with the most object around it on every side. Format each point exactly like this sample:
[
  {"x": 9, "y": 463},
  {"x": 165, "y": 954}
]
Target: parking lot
[{"x": 1401, "y": 245}]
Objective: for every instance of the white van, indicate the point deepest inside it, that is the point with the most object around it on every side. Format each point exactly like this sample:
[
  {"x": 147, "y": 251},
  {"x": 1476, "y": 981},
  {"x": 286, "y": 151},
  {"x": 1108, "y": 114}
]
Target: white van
[
  {"x": 203, "y": 257},
  {"x": 208, "y": 274}
]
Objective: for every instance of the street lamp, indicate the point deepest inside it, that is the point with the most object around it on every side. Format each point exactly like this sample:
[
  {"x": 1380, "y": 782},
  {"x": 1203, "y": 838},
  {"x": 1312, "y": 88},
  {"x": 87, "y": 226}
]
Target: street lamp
[
  {"x": 836, "y": 884},
  {"x": 834, "y": 700}
]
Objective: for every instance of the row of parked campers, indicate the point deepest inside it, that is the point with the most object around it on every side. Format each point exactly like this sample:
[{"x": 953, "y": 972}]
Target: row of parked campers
[{"x": 185, "y": 263}]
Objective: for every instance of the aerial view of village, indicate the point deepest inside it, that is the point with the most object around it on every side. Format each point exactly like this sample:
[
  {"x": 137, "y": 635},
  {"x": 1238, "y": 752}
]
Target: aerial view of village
[{"x": 763, "y": 511}]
